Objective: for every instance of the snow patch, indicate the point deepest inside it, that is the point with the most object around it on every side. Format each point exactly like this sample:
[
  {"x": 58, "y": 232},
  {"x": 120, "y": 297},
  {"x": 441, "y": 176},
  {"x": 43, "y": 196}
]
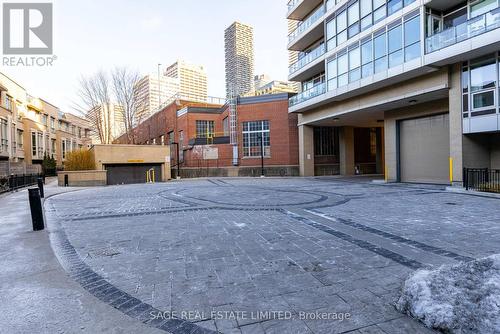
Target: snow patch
[{"x": 462, "y": 298}]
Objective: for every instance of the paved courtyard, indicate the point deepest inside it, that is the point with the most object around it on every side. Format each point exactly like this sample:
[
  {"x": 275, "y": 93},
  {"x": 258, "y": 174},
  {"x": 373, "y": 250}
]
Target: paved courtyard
[{"x": 316, "y": 255}]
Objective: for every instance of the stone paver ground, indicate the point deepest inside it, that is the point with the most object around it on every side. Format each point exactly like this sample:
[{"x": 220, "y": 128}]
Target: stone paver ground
[{"x": 226, "y": 249}]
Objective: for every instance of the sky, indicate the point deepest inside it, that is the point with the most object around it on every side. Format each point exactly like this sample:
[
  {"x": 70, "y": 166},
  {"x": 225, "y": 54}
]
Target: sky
[{"x": 94, "y": 35}]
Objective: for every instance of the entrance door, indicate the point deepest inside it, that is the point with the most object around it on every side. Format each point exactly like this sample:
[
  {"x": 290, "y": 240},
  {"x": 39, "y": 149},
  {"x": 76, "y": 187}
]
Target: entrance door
[{"x": 425, "y": 149}]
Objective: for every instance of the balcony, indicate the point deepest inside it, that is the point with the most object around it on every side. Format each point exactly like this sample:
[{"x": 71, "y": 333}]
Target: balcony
[
  {"x": 473, "y": 27},
  {"x": 306, "y": 60},
  {"x": 299, "y": 9},
  {"x": 310, "y": 28},
  {"x": 308, "y": 94}
]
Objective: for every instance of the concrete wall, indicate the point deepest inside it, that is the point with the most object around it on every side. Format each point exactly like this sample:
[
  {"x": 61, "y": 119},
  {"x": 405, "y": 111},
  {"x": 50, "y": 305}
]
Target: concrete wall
[
  {"x": 481, "y": 150},
  {"x": 130, "y": 154},
  {"x": 390, "y": 127},
  {"x": 91, "y": 178}
]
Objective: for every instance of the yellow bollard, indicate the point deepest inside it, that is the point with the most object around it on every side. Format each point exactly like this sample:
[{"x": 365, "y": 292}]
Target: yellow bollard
[{"x": 451, "y": 170}]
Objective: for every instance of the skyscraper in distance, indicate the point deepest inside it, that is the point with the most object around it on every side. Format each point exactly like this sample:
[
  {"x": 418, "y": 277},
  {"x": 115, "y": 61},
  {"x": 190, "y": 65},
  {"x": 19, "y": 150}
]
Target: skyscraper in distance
[
  {"x": 238, "y": 40},
  {"x": 192, "y": 79}
]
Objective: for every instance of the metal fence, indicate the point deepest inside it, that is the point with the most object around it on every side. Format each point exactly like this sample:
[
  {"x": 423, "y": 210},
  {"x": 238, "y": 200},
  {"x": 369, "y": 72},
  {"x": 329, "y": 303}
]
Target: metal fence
[
  {"x": 484, "y": 179},
  {"x": 14, "y": 182}
]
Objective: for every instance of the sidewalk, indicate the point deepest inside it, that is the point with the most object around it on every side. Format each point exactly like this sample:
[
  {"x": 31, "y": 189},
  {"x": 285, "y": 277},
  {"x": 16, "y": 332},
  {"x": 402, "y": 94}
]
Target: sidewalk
[{"x": 36, "y": 295}]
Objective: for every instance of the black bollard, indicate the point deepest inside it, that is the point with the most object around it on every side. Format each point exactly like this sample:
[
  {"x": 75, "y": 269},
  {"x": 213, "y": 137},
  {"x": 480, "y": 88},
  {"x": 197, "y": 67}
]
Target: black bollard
[
  {"x": 36, "y": 209},
  {"x": 66, "y": 181},
  {"x": 40, "y": 187}
]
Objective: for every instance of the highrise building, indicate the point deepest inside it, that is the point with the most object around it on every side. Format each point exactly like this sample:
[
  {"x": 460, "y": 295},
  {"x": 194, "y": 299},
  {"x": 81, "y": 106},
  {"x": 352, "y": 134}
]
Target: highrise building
[
  {"x": 151, "y": 91},
  {"x": 107, "y": 123},
  {"x": 276, "y": 87},
  {"x": 238, "y": 40},
  {"x": 293, "y": 55},
  {"x": 409, "y": 89},
  {"x": 191, "y": 78}
]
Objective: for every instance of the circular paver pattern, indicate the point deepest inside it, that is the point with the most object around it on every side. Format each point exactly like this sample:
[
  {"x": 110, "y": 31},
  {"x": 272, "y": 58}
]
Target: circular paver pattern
[{"x": 251, "y": 196}]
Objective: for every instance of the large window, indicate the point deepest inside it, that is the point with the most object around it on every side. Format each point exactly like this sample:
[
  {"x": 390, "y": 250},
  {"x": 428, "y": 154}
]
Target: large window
[
  {"x": 20, "y": 139},
  {"x": 380, "y": 52},
  {"x": 395, "y": 39},
  {"x": 204, "y": 129},
  {"x": 412, "y": 38},
  {"x": 255, "y": 136},
  {"x": 480, "y": 86}
]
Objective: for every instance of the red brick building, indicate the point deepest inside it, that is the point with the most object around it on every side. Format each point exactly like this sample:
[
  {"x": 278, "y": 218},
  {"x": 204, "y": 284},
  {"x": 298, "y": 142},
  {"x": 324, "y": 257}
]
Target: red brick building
[{"x": 202, "y": 133}]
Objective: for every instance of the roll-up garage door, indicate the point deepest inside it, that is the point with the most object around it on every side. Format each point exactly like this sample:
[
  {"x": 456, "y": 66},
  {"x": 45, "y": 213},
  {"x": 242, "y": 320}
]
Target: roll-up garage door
[
  {"x": 131, "y": 173},
  {"x": 424, "y": 149}
]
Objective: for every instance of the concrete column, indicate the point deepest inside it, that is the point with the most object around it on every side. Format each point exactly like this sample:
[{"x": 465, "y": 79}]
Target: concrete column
[
  {"x": 380, "y": 151},
  {"x": 390, "y": 150},
  {"x": 346, "y": 142},
  {"x": 306, "y": 150},
  {"x": 456, "y": 133}
]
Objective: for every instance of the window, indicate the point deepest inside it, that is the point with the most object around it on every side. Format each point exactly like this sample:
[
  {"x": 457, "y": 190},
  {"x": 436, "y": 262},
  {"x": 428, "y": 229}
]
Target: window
[
  {"x": 479, "y": 87},
  {"x": 482, "y": 7},
  {"x": 255, "y": 136},
  {"x": 64, "y": 148},
  {"x": 379, "y": 12},
  {"x": 412, "y": 38},
  {"x": 7, "y": 102},
  {"x": 380, "y": 52},
  {"x": 341, "y": 27},
  {"x": 395, "y": 36},
  {"x": 353, "y": 19},
  {"x": 204, "y": 129},
  {"x": 354, "y": 64},
  {"x": 332, "y": 74},
  {"x": 79, "y": 132},
  {"x": 343, "y": 68},
  {"x": 367, "y": 58},
  {"x": 53, "y": 145},
  {"x": 171, "y": 137},
  {"x": 225, "y": 126},
  {"x": 45, "y": 119},
  {"x": 366, "y": 7},
  {"x": 331, "y": 31},
  {"x": 181, "y": 145},
  {"x": 52, "y": 124},
  {"x": 393, "y": 6},
  {"x": 20, "y": 139},
  {"x": 33, "y": 144},
  {"x": 4, "y": 143}
]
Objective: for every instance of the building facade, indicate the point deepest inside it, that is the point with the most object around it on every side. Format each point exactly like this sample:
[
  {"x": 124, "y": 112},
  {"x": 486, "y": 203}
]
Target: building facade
[
  {"x": 107, "y": 123},
  {"x": 151, "y": 91},
  {"x": 277, "y": 87},
  {"x": 405, "y": 88},
  {"x": 191, "y": 79},
  {"x": 200, "y": 132},
  {"x": 239, "y": 51},
  {"x": 31, "y": 127}
]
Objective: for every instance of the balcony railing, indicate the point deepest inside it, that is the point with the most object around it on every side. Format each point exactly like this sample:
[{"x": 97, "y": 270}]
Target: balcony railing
[
  {"x": 486, "y": 180},
  {"x": 473, "y": 27},
  {"x": 304, "y": 25},
  {"x": 308, "y": 94},
  {"x": 307, "y": 59}
]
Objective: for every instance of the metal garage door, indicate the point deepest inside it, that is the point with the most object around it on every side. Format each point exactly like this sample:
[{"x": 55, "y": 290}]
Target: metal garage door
[
  {"x": 425, "y": 149},
  {"x": 131, "y": 173}
]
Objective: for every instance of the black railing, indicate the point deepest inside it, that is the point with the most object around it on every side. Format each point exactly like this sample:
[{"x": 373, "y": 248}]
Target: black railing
[
  {"x": 482, "y": 179},
  {"x": 14, "y": 182}
]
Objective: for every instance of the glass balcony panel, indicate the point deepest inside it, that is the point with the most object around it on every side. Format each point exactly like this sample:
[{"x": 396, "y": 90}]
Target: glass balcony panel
[
  {"x": 308, "y": 58},
  {"x": 304, "y": 25},
  {"x": 473, "y": 27},
  {"x": 308, "y": 94}
]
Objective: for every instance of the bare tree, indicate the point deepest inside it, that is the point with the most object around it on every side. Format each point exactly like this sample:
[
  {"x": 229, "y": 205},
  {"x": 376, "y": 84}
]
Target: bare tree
[
  {"x": 95, "y": 100},
  {"x": 124, "y": 81}
]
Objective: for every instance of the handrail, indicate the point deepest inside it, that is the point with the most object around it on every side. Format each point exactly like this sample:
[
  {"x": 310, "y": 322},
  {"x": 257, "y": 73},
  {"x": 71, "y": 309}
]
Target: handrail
[
  {"x": 308, "y": 94},
  {"x": 308, "y": 58}
]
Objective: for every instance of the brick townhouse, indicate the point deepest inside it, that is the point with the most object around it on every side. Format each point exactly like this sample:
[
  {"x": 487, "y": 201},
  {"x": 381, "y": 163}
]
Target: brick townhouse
[
  {"x": 202, "y": 132},
  {"x": 31, "y": 127}
]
